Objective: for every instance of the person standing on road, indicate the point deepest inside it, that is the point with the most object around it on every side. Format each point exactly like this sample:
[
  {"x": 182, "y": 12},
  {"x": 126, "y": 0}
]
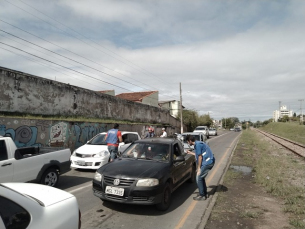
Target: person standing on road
[
  {"x": 164, "y": 134},
  {"x": 205, "y": 162},
  {"x": 150, "y": 133},
  {"x": 112, "y": 138}
]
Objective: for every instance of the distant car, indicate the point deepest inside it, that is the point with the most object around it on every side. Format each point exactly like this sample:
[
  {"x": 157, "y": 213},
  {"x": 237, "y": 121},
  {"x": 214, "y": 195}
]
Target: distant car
[
  {"x": 213, "y": 132},
  {"x": 203, "y": 129},
  {"x": 199, "y": 136},
  {"x": 36, "y": 206},
  {"x": 237, "y": 129},
  {"x": 232, "y": 129},
  {"x": 95, "y": 153}
]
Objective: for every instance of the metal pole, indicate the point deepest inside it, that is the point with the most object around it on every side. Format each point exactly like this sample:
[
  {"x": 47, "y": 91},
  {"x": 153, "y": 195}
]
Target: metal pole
[
  {"x": 301, "y": 115},
  {"x": 181, "y": 109}
]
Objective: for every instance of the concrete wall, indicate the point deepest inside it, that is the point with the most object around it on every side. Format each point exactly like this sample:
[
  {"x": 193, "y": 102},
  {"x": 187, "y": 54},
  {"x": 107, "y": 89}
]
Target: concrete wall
[
  {"x": 25, "y": 93},
  {"x": 32, "y": 132}
]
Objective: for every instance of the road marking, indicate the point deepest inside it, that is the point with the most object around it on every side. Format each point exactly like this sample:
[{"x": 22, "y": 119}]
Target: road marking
[
  {"x": 78, "y": 189},
  {"x": 193, "y": 204}
]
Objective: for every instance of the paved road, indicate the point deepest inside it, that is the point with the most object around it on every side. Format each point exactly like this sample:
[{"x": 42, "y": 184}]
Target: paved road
[{"x": 183, "y": 213}]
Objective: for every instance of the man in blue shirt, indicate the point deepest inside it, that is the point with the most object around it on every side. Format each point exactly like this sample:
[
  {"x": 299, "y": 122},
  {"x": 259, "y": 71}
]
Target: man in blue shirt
[
  {"x": 113, "y": 138},
  {"x": 205, "y": 162}
]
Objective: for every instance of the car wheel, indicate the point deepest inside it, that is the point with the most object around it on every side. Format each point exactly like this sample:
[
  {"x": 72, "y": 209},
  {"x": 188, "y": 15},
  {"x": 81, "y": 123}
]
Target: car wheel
[
  {"x": 166, "y": 198},
  {"x": 193, "y": 175},
  {"x": 50, "y": 177}
]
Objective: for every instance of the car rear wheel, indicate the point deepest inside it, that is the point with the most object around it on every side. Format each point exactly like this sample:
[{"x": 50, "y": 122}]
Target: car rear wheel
[
  {"x": 50, "y": 177},
  {"x": 166, "y": 199}
]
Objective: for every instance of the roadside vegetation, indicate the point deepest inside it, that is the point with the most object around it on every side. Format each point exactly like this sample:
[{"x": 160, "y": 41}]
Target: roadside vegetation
[
  {"x": 277, "y": 175},
  {"x": 293, "y": 131}
]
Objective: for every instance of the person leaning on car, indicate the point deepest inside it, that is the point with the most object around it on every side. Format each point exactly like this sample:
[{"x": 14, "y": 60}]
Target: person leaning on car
[
  {"x": 112, "y": 138},
  {"x": 205, "y": 162}
]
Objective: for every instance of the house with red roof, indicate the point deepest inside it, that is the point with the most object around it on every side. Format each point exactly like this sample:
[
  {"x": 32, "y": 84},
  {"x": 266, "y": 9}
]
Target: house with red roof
[{"x": 145, "y": 97}]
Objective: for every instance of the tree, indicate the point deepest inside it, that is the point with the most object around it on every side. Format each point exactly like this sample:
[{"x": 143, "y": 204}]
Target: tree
[
  {"x": 205, "y": 120},
  {"x": 190, "y": 119}
]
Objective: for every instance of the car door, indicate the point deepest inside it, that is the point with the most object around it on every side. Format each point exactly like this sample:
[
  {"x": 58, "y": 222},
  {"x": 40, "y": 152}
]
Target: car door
[
  {"x": 178, "y": 167},
  {"x": 127, "y": 139},
  {"x": 6, "y": 164}
]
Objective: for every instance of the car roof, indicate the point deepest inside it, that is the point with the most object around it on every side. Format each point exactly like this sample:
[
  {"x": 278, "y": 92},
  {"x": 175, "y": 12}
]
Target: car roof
[
  {"x": 122, "y": 132},
  {"x": 192, "y": 133},
  {"x": 157, "y": 140}
]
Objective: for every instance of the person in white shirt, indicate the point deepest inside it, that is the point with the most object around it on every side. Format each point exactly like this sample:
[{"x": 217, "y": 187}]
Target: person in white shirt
[{"x": 164, "y": 134}]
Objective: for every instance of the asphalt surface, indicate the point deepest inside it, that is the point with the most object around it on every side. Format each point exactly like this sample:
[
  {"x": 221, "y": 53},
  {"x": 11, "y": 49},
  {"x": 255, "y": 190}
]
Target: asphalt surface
[{"x": 184, "y": 212}]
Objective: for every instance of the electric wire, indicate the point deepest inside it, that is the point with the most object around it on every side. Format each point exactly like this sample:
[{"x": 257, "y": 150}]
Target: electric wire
[
  {"x": 80, "y": 35},
  {"x": 65, "y": 32},
  {"x": 64, "y": 66}
]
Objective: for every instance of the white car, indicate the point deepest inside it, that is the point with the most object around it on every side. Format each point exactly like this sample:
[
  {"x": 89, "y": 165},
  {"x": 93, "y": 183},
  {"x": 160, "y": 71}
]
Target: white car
[
  {"x": 94, "y": 153},
  {"x": 213, "y": 132},
  {"x": 36, "y": 206},
  {"x": 199, "y": 136},
  {"x": 203, "y": 129}
]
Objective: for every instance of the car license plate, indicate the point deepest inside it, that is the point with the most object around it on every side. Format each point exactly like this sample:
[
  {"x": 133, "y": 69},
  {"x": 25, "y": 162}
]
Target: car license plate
[
  {"x": 80, "y": 162},
  {"x": 114, "y": 191}
]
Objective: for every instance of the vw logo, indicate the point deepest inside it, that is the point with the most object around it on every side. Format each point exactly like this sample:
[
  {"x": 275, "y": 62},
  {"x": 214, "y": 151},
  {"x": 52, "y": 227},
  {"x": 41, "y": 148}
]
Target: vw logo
[{"x": 116, "y": 181}]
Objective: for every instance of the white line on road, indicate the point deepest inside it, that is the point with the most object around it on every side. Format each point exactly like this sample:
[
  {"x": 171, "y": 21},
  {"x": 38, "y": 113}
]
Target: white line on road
[{"x": 78, "y": 189}]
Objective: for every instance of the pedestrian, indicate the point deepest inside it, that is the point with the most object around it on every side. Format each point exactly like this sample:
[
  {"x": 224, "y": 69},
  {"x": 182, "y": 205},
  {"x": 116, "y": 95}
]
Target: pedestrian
[
  {"x": 113, "y": 138},
  {"x": 150, "y": 133},
  {"x": 164, "y": 134},
  {"x": 205, "y": 162}
]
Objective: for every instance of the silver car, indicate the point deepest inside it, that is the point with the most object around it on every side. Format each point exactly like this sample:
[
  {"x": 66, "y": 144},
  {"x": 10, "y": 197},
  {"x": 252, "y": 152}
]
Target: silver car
[
  {"x": 213, "y": 132},
  {"x": 199, "y": 136}
]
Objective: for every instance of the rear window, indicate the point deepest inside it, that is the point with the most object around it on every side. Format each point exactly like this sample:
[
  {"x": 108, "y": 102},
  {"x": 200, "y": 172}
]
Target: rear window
[{"x": 3, "y": 152}]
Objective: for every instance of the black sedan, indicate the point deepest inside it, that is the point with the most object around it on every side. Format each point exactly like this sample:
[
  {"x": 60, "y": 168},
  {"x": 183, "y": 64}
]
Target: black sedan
[{"x": 147, "y": 173}]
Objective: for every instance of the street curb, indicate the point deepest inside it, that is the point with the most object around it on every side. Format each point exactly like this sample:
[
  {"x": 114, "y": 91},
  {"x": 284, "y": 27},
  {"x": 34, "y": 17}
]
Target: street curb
[{"x": 212, "y": 202}]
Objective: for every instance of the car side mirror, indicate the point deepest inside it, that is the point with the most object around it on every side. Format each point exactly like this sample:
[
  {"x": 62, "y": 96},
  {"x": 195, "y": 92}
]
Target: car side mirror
[{"x": 179, "y": 159}]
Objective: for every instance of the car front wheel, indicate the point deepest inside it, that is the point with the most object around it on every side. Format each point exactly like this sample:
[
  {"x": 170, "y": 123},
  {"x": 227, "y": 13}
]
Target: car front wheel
[
  {"x": 50, "y": 177},
  {"x": 166, "y": 198}
]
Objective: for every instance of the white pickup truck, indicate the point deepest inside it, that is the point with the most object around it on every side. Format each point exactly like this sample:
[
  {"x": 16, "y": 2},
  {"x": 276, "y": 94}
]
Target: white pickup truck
[{"x": 35, "y": 164}]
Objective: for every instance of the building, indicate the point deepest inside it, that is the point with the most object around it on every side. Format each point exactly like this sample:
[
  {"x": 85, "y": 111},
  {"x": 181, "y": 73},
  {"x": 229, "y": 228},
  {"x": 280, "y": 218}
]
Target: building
[
  {"x": 173, "y": 106},
  {"x": 281, "y": 113},
  {"x": 145, "y": 97}
]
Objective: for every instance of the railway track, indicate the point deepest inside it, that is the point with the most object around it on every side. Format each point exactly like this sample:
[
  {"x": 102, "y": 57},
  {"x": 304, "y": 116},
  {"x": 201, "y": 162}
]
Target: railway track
[{"x": 295, "y": 147}]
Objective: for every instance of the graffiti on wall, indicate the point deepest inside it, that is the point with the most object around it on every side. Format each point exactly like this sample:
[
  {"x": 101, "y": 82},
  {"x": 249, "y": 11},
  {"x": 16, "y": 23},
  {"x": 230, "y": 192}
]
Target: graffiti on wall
[
  {"x": 23, "y": 136},
  {"x": 58, "y": 134},
  {"x": 84, "y": 133}
]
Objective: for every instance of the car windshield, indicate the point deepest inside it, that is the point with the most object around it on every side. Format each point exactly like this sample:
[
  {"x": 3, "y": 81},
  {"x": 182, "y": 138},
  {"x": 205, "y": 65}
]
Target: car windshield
[
  {"x": 147, "y": 151},
  {"x": 200, "y": 128},
  {"x": 197, "y": 137},
  {"x": 98, "y": 140}
]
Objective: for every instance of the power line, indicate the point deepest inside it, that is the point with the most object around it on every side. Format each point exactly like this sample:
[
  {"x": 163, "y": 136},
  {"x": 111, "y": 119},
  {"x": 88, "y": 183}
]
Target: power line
[
  {"x": 64, "y": 66},
  {"x": 70, "y": 29}
]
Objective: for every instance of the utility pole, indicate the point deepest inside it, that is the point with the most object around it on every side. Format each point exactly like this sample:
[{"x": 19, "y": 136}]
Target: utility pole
[
  {"x": 181, "y": 109},
  {"x": 301, "y": 115}
]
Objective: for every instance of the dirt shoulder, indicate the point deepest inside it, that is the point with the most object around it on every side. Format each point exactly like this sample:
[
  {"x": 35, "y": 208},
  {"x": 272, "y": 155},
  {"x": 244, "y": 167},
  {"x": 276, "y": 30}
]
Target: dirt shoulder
[{"x": 263, "y": 188}]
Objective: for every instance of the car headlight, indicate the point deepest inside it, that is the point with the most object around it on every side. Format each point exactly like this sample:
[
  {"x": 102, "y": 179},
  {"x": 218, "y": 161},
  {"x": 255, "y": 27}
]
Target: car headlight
[
  {"x": 147, "y": 182},
  {"x": 103, "y": 153},
  {"x": 74, "y": 153},
  {"x": 97, "y": 176}
]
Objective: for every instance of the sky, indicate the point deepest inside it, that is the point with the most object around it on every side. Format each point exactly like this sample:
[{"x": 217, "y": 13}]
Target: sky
[{"x": 233, "y": 58}]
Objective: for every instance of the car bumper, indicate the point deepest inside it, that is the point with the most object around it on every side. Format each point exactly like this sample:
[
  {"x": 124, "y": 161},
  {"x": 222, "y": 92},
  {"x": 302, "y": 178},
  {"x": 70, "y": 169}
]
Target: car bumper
[
  {"x": 88, "y": 163},
  {"x": 132, "y": 195}
]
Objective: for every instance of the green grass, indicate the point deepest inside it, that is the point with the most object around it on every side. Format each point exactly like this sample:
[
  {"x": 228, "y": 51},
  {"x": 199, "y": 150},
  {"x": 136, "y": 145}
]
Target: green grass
[
  {"x": 280, "y": 174},
  {"x": 292, "y": 131}
]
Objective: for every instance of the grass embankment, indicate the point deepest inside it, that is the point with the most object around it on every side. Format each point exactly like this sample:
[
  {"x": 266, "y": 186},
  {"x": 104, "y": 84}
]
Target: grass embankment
[
  {"x": 292, "y": 131},
  {"x": 279, "y": 173}
]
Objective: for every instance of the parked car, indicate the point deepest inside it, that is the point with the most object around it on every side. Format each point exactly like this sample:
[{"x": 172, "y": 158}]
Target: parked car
[
  {"x": 95, "y": 153},
  {"x": 232, "y": 129},
  {"x": 147, "y": 173},
  {"x": 203, "y": 129},
  {"x": 237, "y": 129},
  {"x": 36, "y": 206},
  {"x": 199, "y": 136},
  {"x": 213, "y": 132},
  {"x": 39, "y": 164}
]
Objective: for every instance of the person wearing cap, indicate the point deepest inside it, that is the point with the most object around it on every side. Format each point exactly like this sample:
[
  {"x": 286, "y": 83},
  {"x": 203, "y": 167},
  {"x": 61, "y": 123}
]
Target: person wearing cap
[
  {"x": 150, "y": 133},
  {"x": 164, "y": 134},
  {"x": 112, "y": 138}
]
